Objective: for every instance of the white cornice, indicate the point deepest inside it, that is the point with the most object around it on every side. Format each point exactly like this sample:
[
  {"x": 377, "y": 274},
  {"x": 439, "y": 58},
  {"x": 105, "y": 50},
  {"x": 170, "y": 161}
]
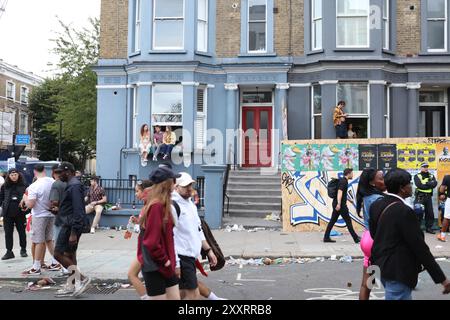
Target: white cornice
[
  {"x": 378, "y": 82},
  {"x": 231, "y": 86},
  {"x": 282, "y": 86},
  {"x": 211, "y": 86},
  {"x": 413, "y": 85},
  {"x": 398, "y": 85},
  {"x": 143, "y": 84},
  {"x": 190, "y": 83},
  {"x": 300, "y": 85},
  {"x": 325, "y": 82},
  {"x": 114, "y": 86}
]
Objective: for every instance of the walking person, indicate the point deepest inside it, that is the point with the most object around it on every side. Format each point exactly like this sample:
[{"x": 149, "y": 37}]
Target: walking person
[
  {"x": 444, "y": 190},
  {"x": 425, "y": 183},
  {"x": 11, "y": 193},
  {"x": 97, "y": 200},
  {"x": 38, "y": 200},
  {"x": 399, "y": 247},
  {"x": 143, "y": 189},
  {"x": 340, "y": 208},
  {"x": 189, "y": 238},
  {"x": 156, "y": 249},
  {"x": 72, "y": 214},
  {"x": 371, "y": 187},
  {"x": 56, "y": 196},
  {"x": 339, "y": 120}
]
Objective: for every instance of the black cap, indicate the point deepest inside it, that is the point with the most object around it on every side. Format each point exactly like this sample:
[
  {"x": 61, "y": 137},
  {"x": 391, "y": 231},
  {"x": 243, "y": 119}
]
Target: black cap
[
  {"x": 66, "y": 166},
  {"x": 165, "y": 165},
  {"x": 162, "y": 174}
]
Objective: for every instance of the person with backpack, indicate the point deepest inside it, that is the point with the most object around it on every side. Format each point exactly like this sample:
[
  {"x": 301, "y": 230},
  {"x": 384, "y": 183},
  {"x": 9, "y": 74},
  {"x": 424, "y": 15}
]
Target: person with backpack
[
  {"x": 371, "y": 187},
  {"x": 189, "y": 238},
  {"x": 340, "y": 206}
]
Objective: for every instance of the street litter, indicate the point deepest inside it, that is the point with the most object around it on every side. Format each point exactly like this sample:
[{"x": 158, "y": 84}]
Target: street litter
[
  {"x": 441, "y": 259},
  {"x": 273, "y": 217},
  {"x": 346, "y": 259},
  {"x": 42, "y": 284},
  {"x": 237, "y": 284},
  {"x": 333, "y": 258},
  {"x": 439, "y": 247},
  {"x": 321, "y": 259},
  {"x": 126, "y": 286},
  {"x": 256, "y": 229},
  {"x": 335, "y": 233},
  {"x": 349, "y": 284},
  {"x": 235, "y": 228}
]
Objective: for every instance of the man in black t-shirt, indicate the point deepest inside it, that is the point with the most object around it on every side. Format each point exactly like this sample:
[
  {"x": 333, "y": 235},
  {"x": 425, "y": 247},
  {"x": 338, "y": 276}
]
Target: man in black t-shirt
[
  {"x": 444, "y": 190},
  {"x": 340, "y": 208}
]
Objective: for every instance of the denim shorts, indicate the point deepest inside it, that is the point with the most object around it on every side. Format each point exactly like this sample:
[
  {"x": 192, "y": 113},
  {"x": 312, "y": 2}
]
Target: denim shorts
[{"x": 395, "y": 290}]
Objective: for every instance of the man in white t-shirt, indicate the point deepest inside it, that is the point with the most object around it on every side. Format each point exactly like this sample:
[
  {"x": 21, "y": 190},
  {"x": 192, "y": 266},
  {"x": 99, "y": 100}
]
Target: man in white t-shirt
[{"x": 42, "y": 221}]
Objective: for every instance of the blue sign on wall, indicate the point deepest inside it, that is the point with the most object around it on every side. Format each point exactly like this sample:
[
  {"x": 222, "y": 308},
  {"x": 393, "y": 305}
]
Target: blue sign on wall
[{"x": 23, "y": 139}]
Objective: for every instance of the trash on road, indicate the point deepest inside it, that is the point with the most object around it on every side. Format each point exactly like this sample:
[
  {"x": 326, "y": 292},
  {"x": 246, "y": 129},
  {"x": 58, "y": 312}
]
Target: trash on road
[
  {"x": 273, "y": 217},
  {"x": 256, "y": 229},
  {"x": 267, "y": 261},
  {"x": 333, "y": 258},
  {"x": 335, "y": 233},
  {"x": 346, "y": 259},
  {"x": 441, "y": 259},
  {"x": 126, "y": 286},
  {"x": 439, "y": 247},
  {"x": 235, "y": 228},
  {"x": 349, "y": 284}
]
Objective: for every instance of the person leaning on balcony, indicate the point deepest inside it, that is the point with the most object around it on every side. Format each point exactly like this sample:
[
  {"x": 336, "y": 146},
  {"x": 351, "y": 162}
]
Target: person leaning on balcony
[
  {"x": 169, "y": 140},
  {"x": 97, "y": 200},
  {"x": 339, "y": 120}
]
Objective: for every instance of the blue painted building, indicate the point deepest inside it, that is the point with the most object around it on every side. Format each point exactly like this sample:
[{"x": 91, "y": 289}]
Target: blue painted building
[{"x": 278, "y": 66}]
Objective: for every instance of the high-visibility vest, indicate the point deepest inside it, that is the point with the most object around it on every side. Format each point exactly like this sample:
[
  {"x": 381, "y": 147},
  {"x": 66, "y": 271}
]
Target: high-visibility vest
[{"x": 424, "y": 181}]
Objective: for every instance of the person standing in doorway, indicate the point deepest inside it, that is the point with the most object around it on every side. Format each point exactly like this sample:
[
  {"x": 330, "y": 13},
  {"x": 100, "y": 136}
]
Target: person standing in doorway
[
  {"x": 371, "y": 188},
  {"x": 425, "y": 183},
  {"x": 11, "y": 193},
  {"x": 399, "y": 247},
  {"x": 42, "y": 232},
  {"x": 97, "y": 199},
  {"x": 339, "y": 120},
  {"x": 340, "y": 208},
  {"x": 72, "y": 214},
  {"x": 444, "y": 190}
]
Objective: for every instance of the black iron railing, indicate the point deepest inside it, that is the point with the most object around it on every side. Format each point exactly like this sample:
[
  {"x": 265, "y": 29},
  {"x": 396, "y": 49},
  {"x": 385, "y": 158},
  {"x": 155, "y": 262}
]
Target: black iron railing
[
  {"x": 201, "y": 191},
  {"x": 120, "y": 191}
]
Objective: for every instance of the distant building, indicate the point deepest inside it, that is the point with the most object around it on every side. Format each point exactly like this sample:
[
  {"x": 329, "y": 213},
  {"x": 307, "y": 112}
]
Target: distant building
[{"x": 15, "y": 118}]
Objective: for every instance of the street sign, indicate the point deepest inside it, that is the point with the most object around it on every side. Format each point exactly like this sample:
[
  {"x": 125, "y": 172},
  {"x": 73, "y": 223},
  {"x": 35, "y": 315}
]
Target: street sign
[
  {"x": 11, "y": 163},
  {"x": 23, "y": 139}
]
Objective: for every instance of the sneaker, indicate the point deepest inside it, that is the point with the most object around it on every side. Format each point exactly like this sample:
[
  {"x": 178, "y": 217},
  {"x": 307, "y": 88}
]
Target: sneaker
[
  {"x": 66, "y": 291},
  {"x": 81, "y": 286},
  {"x": 154, "y": 159},
  {"x": 65, "y": 272},
  {"x": 23, "y": 253},
  {"x": 8, "y": 255},
  {"x": 92, "y": 230},
  {"x": 440, "y": 238},
  {"x": 31, "y": 272},
  {"x": 55, "y": 267},
  {"x": 329, "y": 240}
]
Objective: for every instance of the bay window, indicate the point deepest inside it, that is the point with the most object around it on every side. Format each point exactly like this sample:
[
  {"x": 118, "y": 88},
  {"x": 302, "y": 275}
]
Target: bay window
[
  {"x": 353, "y": 24},
  {"x": 257, "y": 26},
  {"x": 167, "y": 105},
  {"x": 168, "y": 24},
  {"x": 356, "y": 97}
]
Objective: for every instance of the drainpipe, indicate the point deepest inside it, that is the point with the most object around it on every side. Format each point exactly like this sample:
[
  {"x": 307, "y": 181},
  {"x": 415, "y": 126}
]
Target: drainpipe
[
  {"x": 126, "y": 121},
  {"x": 290, "y": 27}
]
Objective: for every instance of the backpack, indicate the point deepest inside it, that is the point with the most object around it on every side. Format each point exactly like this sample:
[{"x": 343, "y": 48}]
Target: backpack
[{"x": 332, "y": 188}]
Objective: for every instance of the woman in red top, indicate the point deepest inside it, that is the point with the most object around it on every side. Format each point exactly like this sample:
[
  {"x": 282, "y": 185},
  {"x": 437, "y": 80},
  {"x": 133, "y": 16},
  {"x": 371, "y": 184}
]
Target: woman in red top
[{"x": 157, "y": 238}]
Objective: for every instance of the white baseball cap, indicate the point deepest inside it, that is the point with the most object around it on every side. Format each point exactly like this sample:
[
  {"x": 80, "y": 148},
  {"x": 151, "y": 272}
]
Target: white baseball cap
[{"x": 185, "y": 179}]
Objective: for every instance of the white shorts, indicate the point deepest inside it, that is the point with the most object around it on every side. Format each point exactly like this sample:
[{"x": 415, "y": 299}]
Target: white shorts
[{"x": 447, "y": 209}]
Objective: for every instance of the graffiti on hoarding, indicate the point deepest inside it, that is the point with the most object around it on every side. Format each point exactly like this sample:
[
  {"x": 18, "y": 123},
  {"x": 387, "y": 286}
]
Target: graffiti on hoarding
[{"x": 314, "y": 205}]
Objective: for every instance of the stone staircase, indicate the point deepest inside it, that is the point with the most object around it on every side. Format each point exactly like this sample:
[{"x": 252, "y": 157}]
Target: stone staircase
[{"x": 252, "y": 194}]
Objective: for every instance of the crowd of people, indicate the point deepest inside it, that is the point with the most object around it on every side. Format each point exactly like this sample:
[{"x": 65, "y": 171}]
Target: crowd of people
[{"x": 393, "y": 239}]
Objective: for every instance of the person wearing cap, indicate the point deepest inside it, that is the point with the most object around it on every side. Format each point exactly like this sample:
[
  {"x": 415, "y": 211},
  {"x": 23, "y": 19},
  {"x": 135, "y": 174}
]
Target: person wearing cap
[
  {"x": 425, "y": 183},
  {"x": 72, "y": 214},
  {"x": 11, "y": 193},
  {"x": 42, "y": 232},
  {"x": 156, "y": 249},
  {"x": 189, "y": 238}
]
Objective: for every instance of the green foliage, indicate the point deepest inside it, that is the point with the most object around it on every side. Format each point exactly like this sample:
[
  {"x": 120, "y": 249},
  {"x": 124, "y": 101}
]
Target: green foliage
[{"x": 71, "y": 96}]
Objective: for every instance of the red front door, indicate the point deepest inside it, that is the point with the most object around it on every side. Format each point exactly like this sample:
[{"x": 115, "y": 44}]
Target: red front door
[{"x": 257, "y": 139}]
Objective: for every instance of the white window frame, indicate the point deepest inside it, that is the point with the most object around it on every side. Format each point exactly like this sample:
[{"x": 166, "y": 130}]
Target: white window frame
[
  {"x": 387, "y": 25},
  {"x": 248, "y": 29},
  {"x": 314, "y": 21},
  {"x": 25, "y": 131},
  {"x": 137, "y": 26},
  {"x": 438, "y": 104},
  {"x": 445, "y": 29},
  {"x": 314, "y": 115},
  {"x": 203, "y": 115},
  {"x": 135, "y": 115},
  {"x": 8, "y": 82},
  {"x": 25, "y": 102},
  {"x": 155, "y": 19},
  {"x": 204, "y": 46},
  {"x": 352, "y": 16},
  {"x": 358, "y": 115},
  {"x": 163, "y": 124}
]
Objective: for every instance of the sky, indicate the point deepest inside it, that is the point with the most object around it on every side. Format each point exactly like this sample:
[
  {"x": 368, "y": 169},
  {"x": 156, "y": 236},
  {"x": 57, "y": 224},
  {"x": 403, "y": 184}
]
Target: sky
[{"x": 27, "y": 25}]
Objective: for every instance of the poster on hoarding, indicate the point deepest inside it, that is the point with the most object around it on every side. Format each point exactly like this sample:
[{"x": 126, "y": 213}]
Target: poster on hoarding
[
  {"x": 368, "y": 156},
  {"x": 427, "y": 153},
  {"x": 387, "y": 156},
  {"x": 407, "y": 156}
]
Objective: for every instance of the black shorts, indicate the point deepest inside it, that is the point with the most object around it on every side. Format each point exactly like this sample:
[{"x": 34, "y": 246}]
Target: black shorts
[
  {"x": 156, "y": 284},
  {"x": 62, "y": 243},
  {"x": 188, "y": 280}
]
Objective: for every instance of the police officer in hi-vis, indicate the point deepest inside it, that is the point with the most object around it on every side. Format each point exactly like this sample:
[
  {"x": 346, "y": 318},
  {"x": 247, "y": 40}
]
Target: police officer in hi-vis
[{"x": 425, "y": 183}]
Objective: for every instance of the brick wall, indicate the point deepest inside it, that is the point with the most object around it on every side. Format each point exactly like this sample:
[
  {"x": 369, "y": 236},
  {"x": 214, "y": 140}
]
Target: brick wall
[
  {"x": 282, "y": 29},
  {"x": 228, "y": 26},
  {"x": 408, "y": 27},
  {"x": 114, "y": 29}
]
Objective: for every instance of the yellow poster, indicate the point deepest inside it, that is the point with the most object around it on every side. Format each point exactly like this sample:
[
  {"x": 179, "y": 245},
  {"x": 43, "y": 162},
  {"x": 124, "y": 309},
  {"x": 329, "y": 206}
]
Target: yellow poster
[
  {"x": 407, "y": 156},
  {"x": 443, "y": 157},
  {"x": 427, "y": 153}
]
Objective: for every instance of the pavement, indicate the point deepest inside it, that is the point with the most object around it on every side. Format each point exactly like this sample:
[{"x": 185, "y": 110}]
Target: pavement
[{"x": 107, "y": 255}]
